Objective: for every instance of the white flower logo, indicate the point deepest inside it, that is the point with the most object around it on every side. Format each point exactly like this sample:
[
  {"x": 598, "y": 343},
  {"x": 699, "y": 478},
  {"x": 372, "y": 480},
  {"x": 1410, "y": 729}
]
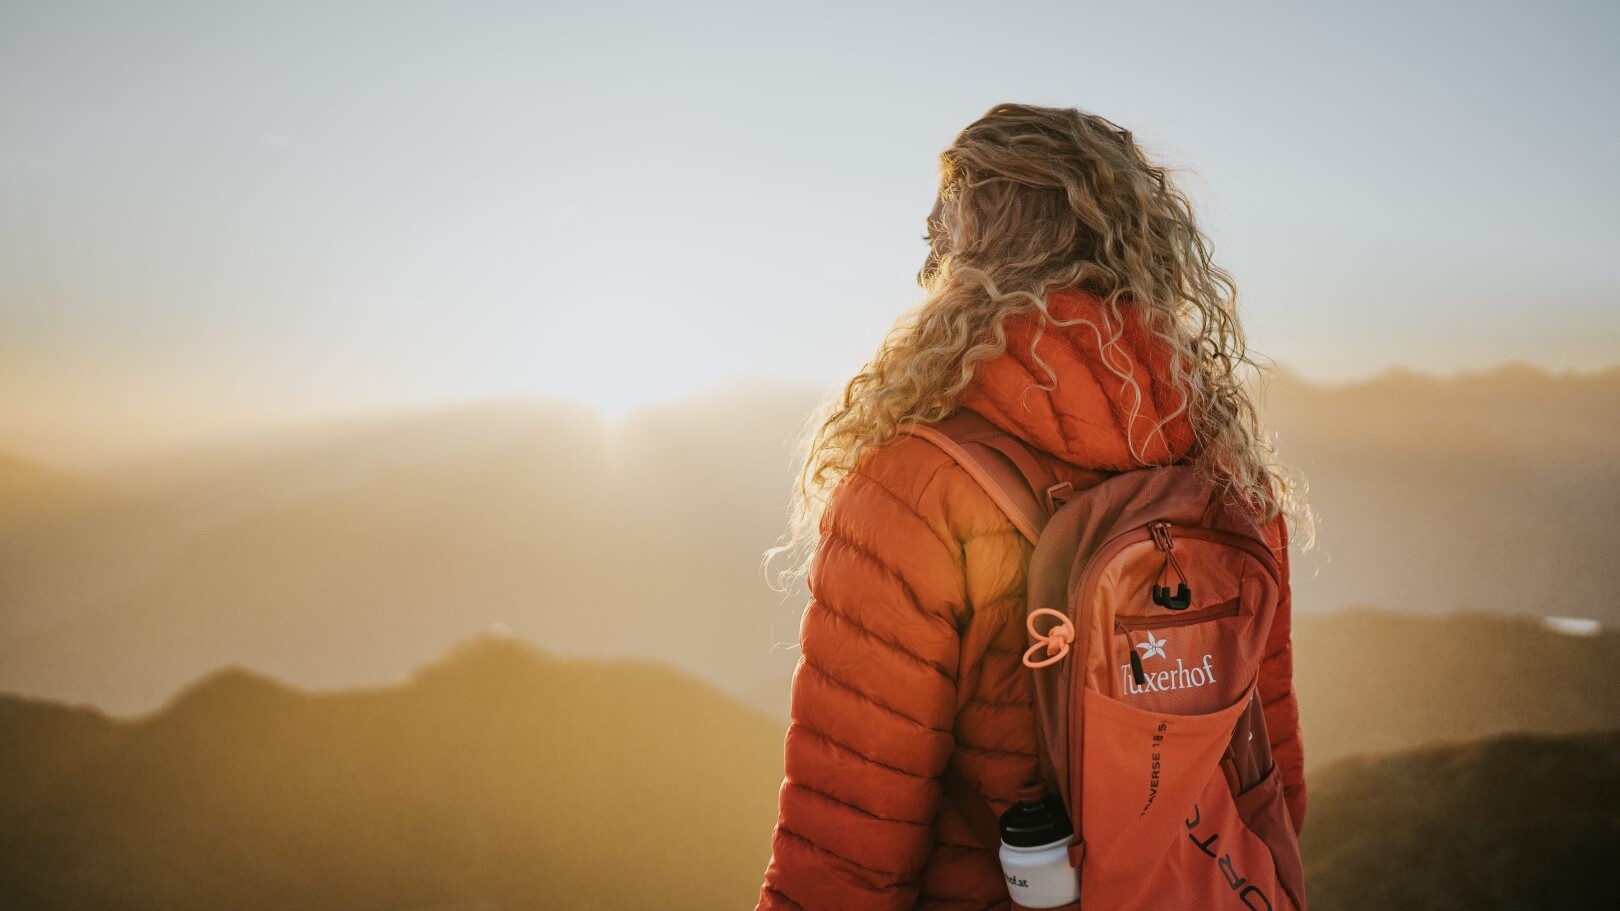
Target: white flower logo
[{"x": 1152, "y": 647}]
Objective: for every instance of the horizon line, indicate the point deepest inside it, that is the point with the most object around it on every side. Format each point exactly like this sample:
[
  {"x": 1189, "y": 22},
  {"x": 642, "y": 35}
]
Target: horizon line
[{"x": 274, "y": 424}]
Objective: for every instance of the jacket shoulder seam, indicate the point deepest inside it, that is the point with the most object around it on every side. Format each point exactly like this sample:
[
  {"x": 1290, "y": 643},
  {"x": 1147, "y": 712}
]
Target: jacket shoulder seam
[{"x": 945, "y": 461}]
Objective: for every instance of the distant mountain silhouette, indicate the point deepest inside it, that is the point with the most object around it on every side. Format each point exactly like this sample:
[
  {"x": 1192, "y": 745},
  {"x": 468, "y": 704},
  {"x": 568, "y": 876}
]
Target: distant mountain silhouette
[
  {"x": 507, "y": 778},
  {"x": 1489, "y": 491},
  {"x": 1377, "y": 681},
  {"x": 351, "y": 551},
  {"x": 1516, "y": 823},
  {"x": 501, "y": 777}
]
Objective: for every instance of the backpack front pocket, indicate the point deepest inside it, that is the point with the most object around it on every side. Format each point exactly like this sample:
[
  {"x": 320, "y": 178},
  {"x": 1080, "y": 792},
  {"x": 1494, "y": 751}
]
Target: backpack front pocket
[
  {"x": 1180, "y": 663},
  {"x": 1140, "y": 771}
]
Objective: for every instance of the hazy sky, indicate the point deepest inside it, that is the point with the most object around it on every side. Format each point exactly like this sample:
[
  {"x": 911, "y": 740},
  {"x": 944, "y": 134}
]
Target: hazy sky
[{"x": 211, "y": 207}]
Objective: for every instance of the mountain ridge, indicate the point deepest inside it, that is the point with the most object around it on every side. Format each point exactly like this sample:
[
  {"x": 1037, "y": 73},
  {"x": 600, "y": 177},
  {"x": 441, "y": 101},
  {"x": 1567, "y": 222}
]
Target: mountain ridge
[
  {"x": 501, "y": 776},
  {"x": 498, "y": 774},
  {"x": 365, "y": 551}
]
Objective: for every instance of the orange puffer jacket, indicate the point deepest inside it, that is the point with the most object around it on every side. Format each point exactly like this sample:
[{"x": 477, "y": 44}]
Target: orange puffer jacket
[{"x": 911, "y": 643}]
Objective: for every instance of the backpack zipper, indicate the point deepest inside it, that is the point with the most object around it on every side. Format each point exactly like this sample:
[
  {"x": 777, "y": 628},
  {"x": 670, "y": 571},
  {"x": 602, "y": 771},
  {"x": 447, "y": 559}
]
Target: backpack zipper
[
  {"x": 1112, "y": 546},
  {"x": 1125, "y": 624}
]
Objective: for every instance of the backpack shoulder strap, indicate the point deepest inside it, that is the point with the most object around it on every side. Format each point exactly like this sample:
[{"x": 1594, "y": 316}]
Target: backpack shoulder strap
[{"x": 999, "y": 462}]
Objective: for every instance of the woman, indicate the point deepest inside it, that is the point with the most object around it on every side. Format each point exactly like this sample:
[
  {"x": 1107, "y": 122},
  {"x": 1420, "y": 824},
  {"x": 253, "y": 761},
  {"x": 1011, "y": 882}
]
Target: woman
[{"x": 1071, "y": 301}]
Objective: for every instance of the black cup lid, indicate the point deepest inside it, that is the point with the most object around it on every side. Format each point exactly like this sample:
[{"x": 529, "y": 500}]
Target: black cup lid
[{"x": 1037, "y": 819}]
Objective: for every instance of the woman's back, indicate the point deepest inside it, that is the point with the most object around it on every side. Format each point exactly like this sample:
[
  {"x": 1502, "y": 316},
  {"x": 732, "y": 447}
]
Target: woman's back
[
  {"x": 1070, "y": 299},
  {"x": 911, "y": 645}
]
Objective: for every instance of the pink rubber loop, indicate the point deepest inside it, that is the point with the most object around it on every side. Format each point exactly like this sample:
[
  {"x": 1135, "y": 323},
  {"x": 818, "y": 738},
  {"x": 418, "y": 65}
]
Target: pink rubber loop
[{"x": 1055, "y": 640}]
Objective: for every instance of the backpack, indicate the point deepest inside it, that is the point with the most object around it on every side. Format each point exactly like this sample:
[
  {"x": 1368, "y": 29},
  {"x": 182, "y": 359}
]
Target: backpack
[{"x": 1149, "y": 601}]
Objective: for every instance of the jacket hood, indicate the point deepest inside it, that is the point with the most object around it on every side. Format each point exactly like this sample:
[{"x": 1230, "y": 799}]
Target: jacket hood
[{"x": 1083, "y": 420}]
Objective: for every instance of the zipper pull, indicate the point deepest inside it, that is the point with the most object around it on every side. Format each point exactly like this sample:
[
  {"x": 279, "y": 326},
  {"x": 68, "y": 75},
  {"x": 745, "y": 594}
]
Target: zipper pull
[
  {"x": 1136, "y": 660},
  {"x": 1182, "y": 599},
  {"x": 1136, "y": 668}
]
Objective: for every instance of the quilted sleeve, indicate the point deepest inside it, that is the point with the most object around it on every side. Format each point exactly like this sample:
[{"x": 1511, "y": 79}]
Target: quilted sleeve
[
  {"x": 873, "y": 699},
  {"x": 1277, "y": 695}
]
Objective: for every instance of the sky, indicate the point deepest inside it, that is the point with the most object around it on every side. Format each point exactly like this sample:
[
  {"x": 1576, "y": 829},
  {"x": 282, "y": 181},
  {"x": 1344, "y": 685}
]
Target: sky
[{"x": 212, "y": 212}]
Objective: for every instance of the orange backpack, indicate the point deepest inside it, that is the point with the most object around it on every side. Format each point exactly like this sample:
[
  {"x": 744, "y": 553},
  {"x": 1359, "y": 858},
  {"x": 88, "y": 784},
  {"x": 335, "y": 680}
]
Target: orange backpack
[{"x": 1149, "y": 600}]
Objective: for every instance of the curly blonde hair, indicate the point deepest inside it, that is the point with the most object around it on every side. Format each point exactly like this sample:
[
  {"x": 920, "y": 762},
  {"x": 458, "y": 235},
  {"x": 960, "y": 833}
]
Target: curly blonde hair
[{"x": 1032, "y": 200}]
